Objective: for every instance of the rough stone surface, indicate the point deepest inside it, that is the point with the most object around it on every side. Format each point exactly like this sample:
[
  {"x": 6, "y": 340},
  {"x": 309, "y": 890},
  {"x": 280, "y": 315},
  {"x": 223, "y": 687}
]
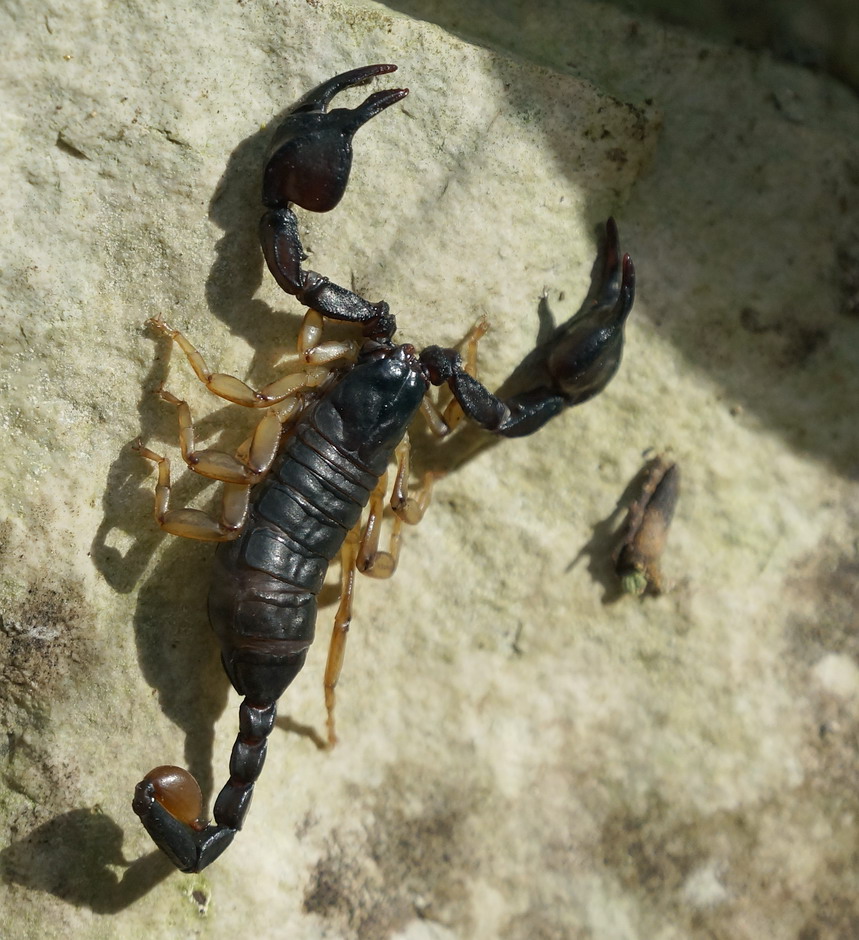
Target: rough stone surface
[{"x": 523, "y": 754}]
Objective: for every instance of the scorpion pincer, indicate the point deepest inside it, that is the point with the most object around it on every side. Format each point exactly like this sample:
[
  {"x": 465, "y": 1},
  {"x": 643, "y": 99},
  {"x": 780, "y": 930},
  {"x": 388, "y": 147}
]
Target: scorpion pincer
[{"x": 295, "y": 491}]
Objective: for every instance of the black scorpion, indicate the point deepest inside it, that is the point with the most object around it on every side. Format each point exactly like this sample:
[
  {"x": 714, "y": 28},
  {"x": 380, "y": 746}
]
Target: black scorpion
[{"x": 295, "y": 491}]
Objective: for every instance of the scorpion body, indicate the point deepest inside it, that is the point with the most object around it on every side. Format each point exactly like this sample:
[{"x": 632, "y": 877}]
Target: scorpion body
[
  {"x": 294, "y": 498},
  {"x": 312, "y": 497}
]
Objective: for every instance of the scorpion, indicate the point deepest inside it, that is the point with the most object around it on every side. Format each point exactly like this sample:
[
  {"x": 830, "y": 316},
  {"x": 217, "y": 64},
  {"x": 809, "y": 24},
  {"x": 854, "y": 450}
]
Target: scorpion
[{"x": 295, "y": 491}]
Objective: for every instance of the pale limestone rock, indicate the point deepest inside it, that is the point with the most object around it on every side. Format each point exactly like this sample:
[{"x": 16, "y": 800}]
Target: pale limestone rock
[{"x": 519, "y": 759}]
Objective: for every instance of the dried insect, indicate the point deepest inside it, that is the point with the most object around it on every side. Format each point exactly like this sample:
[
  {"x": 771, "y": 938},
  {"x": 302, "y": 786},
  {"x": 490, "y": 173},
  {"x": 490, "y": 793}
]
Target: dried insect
[
  {"x": 295, "y": 491},
  {"x": 645, "y": 529}
]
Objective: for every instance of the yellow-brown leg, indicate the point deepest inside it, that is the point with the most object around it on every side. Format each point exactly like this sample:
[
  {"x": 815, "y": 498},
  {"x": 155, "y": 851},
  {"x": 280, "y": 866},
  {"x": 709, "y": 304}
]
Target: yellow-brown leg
[
  {"x": 361, "y": 552},
  {"x": 238, "y": 473},
  {"x": 342, "y": 620},
  {"x": 371, "y": 560},
  {"x": 410, "y": 509},
  {"x": 251, "y": 461},
  {"x": 253, "y": 458},
  {"x": 314, "y": 353},
  {"x": 195, "y": 523}
]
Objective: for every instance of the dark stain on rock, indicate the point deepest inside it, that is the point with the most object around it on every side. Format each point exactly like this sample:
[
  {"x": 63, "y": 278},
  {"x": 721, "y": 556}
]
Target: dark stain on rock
[
  {"x": 406, "y": 866},
  {"x": 826, "y": 613},
  {"x": 41, "y": 633},
  {"x": 45, "y": 651},
  {"x": 789, "y": 342}
]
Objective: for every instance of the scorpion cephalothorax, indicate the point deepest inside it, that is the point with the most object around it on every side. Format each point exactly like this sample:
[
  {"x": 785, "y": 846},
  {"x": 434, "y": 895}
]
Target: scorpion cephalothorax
[{"x": 343, "y": 427}]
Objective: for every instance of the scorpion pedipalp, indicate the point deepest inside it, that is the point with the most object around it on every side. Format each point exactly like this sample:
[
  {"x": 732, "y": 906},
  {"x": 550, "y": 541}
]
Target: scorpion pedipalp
[
  {"x": 308, "y": 164},
  {"x": 576, "y": 362},
  {"x": 586, "y": 350},
  {"x": 311, "y": 152}
]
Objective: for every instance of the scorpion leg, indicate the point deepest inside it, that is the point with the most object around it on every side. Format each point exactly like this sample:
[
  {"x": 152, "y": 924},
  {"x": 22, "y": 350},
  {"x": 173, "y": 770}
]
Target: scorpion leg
[
  {"x": 239, "y": 473},
  {"x": 360, "y": 552},
  {"x": 340, "y": 630},
  {"x": 195, "y": 523},
  {"x": 308, "y": 165},
  {"x": 371, "y": 561},
  {"x": 253, "y": 458},
  {"x": 410, "y": 509},
  {"x": 318, "y": 353},
  {"x": 576, "y": 362},
  {"x": 235, "y": 390}
]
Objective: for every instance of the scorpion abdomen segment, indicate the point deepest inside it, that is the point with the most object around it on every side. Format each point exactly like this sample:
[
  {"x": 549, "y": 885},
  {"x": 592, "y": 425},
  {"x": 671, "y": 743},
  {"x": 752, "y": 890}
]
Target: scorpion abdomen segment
[{"x": 262, "y": 604}]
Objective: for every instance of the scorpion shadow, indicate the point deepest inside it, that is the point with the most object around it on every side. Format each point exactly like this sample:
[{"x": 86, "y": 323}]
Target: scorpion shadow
[{"x": 49, "y": 860}]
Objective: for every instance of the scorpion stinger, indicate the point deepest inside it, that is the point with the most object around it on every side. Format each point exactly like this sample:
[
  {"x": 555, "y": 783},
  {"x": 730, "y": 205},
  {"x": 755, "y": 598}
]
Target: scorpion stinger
[{"x": 294, "y": 501}]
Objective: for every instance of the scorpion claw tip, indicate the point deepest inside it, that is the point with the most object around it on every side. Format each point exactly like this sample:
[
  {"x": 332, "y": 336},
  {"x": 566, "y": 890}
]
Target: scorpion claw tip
[{"x": 628, "y": 282}]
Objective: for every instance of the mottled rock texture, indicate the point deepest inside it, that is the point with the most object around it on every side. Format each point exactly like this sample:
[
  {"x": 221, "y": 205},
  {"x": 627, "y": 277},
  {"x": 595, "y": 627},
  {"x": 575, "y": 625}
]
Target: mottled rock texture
[{"x": 523, "y": 753}]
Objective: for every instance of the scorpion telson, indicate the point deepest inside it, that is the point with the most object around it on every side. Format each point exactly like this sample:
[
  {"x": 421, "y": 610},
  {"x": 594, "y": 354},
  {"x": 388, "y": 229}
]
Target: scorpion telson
[{"x": 295, "y": 491}]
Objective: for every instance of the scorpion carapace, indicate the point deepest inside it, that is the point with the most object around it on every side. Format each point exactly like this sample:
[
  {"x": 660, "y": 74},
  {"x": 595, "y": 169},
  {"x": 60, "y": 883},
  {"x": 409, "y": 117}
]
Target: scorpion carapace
[{"x": 295, "y": 491}]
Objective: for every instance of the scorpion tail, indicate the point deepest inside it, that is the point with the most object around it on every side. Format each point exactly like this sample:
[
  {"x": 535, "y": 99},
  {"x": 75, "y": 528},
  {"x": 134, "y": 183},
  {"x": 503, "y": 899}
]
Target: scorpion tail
[{"x": 170, "y": 805}]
